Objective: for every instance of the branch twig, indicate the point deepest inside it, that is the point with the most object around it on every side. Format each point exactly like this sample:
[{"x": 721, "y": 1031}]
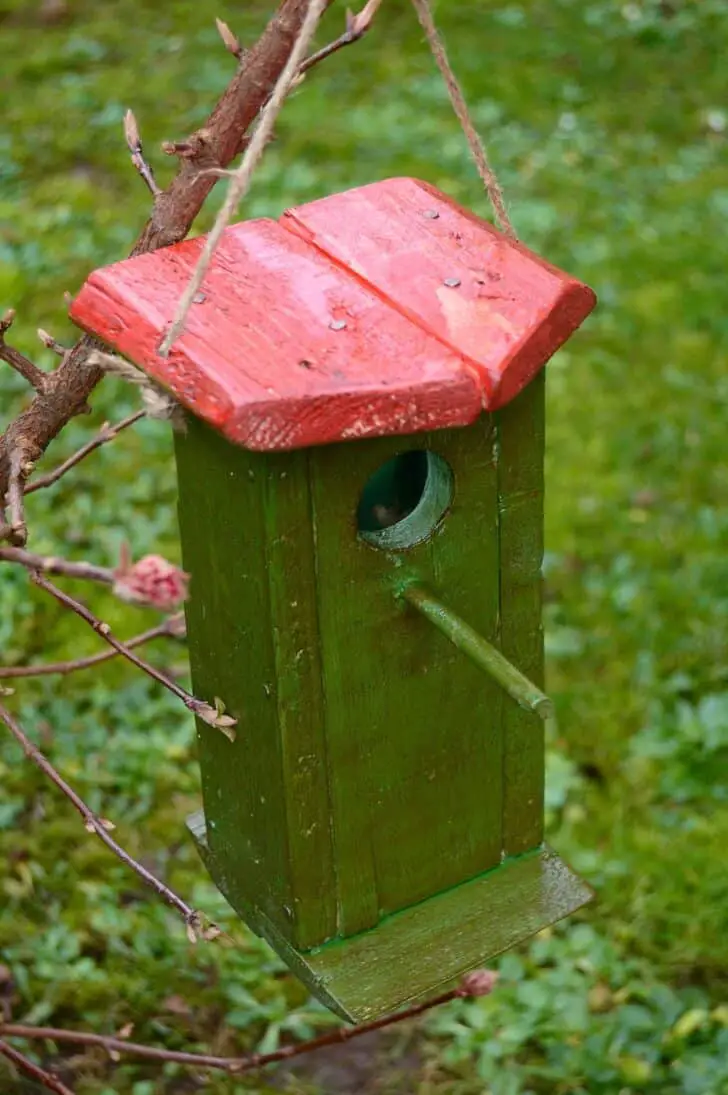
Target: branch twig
[
  {"x": 240, "y": 180},
  {"x": 172, "y": 626},
  {"x": 215, "y": 145},
  {"x": 49, "y": 564},
  {"x": 230, "y": 40},
  {"x": 22, "y": 365},
  {"x": 134, "y": 144},
  {"x": 205, "y": 711},
  {"x": 101, "y": 827},
  {"x": 356, "y": 28},
  {"x": 52, "y": 343},
  {"x": 106, "y": 433},
  {"x": 480, "y": 983},
  {"x": 16, "y": 531},
  {"x": 35, "y": 1072}
]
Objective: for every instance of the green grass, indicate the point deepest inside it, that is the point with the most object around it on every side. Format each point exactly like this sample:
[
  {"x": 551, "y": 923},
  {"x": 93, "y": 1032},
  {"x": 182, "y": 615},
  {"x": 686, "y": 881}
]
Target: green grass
[{"x": 608, "y": 126}]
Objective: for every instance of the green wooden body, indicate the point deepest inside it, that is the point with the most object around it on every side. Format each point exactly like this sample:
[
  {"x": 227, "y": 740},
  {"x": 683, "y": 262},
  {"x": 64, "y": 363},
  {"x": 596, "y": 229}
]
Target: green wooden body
[{"x": 377, "y": 773}]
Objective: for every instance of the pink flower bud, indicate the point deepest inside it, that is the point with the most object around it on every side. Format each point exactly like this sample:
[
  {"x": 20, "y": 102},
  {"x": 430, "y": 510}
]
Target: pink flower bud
[
  {"x": 151, "y": 581},
  {"x": 478, "y": 983}
]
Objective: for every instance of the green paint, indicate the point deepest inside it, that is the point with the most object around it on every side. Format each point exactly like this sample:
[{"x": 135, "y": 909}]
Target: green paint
[
  {"x": 417, "y": 953},
  {"x": 405, "y": 500},
  {"x": 483, "y": 653},
  {"x": 361, "y": 817},
  {"x": 246, "y": 539},
  {"x": 291, "y": 577},
  {"x": 414, "y": 749},
  {"x": 520, "y": 440}
]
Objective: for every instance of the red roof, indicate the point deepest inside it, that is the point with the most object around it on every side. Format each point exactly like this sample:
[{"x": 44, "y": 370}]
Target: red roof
[{"x": 383, "y": 310}]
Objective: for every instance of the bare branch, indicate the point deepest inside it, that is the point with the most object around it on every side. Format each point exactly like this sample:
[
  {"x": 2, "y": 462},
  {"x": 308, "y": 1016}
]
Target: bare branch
[
  {"x": 101, "y": 827},
  {"x": 51, "y": 343},
  {"x": 29, "y": 1068},
  {"x": 173, "y": 626},
  {"x": 216, "y": 144},
  {"x": 134, "y": 144},
  {"x": 214, "y": 715},
  {"x": 356, "y": 28},
  {"x": 240, "y": 181},
  {"x": 49, "y": 564},
  {"x": 480, "y": 983},
  {"x": 22, "y": 365},
  {"x": 106, "y": 433},
  {"x": 230, "y": 40},
  {"x": 16, "y": 531}
]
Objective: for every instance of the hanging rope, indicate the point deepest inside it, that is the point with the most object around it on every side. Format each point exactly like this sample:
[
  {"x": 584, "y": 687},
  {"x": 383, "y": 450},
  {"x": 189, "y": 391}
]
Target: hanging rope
[{"x": 486, "y": 172}]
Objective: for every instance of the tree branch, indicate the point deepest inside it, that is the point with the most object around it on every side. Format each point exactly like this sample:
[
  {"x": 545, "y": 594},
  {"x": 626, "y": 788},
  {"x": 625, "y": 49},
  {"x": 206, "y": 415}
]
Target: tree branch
[
  {"x": 101, "y": 827},
  {"x": 22, "y": 365},
  {"x": 136, "y": 151},
  {"x": 240, "y": 178},
  {"x": 172, "y": 626},
  {"x": 479, "y": 983},
  {"x": 16, "y": 532},
  {"x": 205, "y": 711},
  {"x": 106, "y": 433},
  {"x": 49, "y": 564},
  {"x": 214, "y": 145},
  {"x": 356, "y": 28},
  {"x": 29, "y": 1068}
]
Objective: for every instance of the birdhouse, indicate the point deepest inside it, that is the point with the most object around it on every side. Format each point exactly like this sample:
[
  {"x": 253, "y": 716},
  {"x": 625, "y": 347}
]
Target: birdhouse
[{"x": 361, "y": 512}]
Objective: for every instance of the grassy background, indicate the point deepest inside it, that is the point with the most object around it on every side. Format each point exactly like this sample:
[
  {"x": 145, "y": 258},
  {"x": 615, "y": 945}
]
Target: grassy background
[{"x": 607, "y": 123}]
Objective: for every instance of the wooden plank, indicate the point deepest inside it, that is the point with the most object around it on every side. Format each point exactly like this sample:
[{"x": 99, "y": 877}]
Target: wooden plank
[
  {"x": 291, "y": 572},
  {"x": 413, "y": 727},
  {"x": 284, "y": 348},
  {"x": 418, "y": 953},
  {"x": 520, "y": 501},
  {"x": 482, "y": 294},
  {"x": 223, "y": 532}
]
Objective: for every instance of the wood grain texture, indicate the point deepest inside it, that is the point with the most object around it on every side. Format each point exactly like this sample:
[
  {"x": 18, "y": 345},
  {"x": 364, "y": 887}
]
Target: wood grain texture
[
  {"x": 244, "y": 517},
  {"x": 416, "y": 954},
  {"x": 291, "y": 575},
  {"x": 452, "y": 273},
  {"x": 413, "y": 727},
  {"x": 421, "y": 951},
  {"x": 520, "y": 434},
  {"x": 384, "y": 310},
  {"x": 284, "y": 349}
]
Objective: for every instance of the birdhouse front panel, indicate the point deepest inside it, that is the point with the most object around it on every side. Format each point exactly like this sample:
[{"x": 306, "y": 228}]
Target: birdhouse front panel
[{"x": 361, "y": 510}]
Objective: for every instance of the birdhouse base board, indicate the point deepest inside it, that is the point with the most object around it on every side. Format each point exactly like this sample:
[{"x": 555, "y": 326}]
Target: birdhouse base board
[{"x": 417, "y": 953}]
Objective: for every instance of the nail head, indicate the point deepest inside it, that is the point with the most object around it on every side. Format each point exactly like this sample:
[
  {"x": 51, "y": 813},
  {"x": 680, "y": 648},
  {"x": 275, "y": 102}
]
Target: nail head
[
  {"x": 452, "y": 283},
  {"x": 337, "y": 324}
]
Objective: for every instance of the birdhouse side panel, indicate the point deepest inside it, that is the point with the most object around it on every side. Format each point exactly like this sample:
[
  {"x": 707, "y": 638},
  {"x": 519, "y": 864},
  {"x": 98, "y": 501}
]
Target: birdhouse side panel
[
  {"x": 520, "y": 432},
  {"x": 224, "y": 512},
  {"x": 413, "y": 728},
  {"x": 291, "y": 566}
]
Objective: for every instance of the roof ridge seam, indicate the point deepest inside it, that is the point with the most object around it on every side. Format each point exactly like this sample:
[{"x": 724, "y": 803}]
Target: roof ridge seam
[{"x": 303, "y": 233}]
